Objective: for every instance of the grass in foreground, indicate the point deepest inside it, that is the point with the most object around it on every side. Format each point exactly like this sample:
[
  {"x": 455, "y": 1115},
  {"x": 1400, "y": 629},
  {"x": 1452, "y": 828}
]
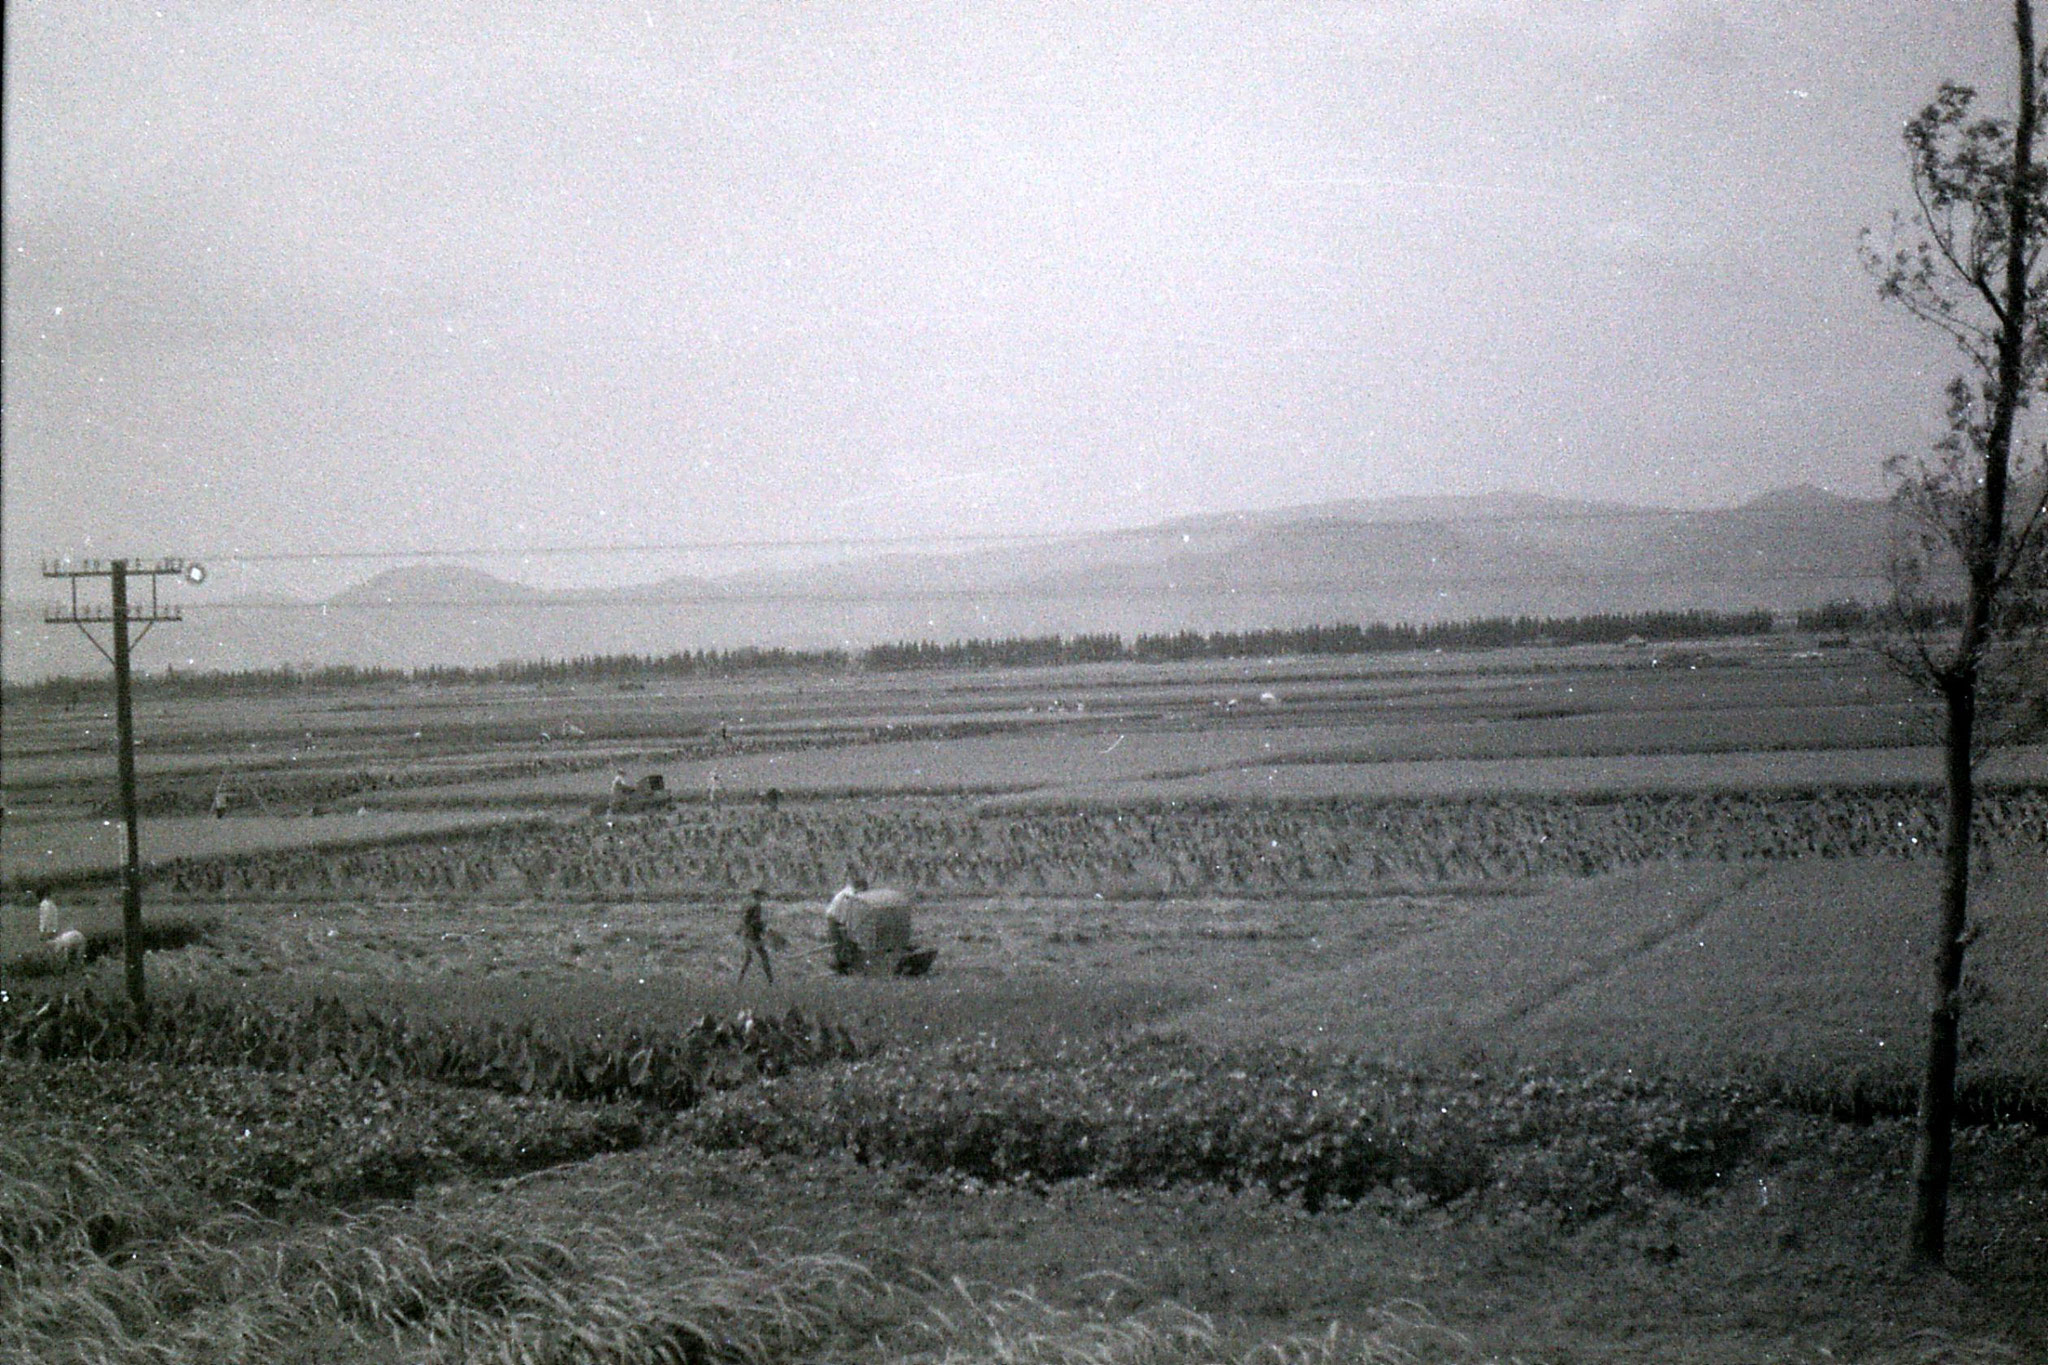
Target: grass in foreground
[
  {"x": 669, "y": 1255},
  {"x": 127, "y": 1231}
]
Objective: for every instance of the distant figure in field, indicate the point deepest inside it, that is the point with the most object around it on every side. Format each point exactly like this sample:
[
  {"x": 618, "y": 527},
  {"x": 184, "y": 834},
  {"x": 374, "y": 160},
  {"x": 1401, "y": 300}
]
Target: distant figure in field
[
  {"x": 754, "y": 934},
  {"x": 68, "y": 944},
  {"x": 838, "y": 938}
]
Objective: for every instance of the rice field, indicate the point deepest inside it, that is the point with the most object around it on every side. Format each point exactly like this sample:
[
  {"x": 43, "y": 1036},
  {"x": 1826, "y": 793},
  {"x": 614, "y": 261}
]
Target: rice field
[
  {"x": 1519, "y": 877},
  {"x": 941, "y": 848},
  {"x": 72, "y": 851}
]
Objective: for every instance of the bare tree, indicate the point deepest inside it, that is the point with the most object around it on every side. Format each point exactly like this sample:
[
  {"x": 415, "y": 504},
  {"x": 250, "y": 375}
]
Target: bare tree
[{"x": 1966, "y": 261}]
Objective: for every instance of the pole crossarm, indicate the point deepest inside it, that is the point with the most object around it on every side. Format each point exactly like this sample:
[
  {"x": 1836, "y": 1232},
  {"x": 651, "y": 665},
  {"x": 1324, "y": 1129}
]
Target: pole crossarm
[
  {"x": 83, "y": 615},
  {"x": 99, "y": 616},
  {"x": 104, "y": 568}
]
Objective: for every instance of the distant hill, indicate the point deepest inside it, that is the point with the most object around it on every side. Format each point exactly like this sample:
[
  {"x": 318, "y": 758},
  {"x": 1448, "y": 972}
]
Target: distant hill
[
  {"x": 429, "y": 583},
  {"x": 1503, "y": 504},
  {"x": 1358, "y": 560},
  {"x": 1800, "y": 497}
]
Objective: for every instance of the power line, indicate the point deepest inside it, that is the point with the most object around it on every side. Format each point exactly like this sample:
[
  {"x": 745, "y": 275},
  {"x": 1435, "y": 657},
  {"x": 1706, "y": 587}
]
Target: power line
[
  {"x": 625, "y": 548},
  {"x": 1204, "y": 522},
  {"x": 586, "y": 599}
]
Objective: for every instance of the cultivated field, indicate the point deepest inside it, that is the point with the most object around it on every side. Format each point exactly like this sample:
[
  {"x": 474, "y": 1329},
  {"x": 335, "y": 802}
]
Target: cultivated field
[{"x": 1522, "y": 1005}]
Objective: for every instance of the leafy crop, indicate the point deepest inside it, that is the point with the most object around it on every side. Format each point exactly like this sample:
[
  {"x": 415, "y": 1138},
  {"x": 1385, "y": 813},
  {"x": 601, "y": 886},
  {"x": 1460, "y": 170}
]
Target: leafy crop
[
  {"x": 266, "y": 1140},
  {"x": 1157, "y": 1113},
  {"x": 662, "y": 1070}
]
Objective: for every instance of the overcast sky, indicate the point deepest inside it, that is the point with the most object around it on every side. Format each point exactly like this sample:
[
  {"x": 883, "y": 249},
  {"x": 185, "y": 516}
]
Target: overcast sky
[{"x": 355, "y": 276}]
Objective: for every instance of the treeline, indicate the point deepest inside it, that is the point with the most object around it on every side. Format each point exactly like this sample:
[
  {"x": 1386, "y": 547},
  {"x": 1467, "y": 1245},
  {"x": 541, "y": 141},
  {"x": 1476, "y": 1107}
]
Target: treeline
[
  {"x": 1847, "y": 615},
  {"x": 1379, "y": 638},
  {"x": 1487, "y": 632},
  {"x": 686, "y": 663},
  {"x": 1022, "y": 651},
  {"x": 177, "y": 682},
  {"x": 623, "y": 668}
]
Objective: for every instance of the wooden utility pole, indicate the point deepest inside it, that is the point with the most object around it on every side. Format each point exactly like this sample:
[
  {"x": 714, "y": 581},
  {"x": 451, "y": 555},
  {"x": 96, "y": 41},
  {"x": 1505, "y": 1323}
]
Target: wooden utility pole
[{"x": 117, "y": 615}]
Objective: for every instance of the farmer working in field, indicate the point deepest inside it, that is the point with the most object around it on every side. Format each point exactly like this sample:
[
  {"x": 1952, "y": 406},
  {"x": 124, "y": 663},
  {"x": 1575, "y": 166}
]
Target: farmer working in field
[
  {"x": 753, "y": 936},
  {"x": 68, "y": 944},
  {"x": 843, "y": 952}
]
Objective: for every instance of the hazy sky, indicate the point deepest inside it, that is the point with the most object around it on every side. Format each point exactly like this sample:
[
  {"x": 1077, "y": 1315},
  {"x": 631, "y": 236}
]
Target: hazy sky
[{"x": 356, "y": 276}]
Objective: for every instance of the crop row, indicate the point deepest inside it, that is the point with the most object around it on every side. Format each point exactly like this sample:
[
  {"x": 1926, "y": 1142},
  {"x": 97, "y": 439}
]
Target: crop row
[
  {"x": 267, "y": 1139},
  {"x": 1156, "y": 1113},
  {"x": 950, "y": 848},
  {"x": 666, "y": 1070},
  {"x": 322, "y": 789}
]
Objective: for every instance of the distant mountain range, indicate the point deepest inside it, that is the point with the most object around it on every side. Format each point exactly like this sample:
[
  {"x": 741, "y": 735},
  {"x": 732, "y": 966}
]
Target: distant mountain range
[{"x": 1396, "y": 559}]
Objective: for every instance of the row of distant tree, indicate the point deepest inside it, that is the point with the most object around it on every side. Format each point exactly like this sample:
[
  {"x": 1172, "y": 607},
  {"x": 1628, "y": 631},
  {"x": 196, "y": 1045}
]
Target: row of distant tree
[
  {"x": 1013, "y": 652},
  {"x": 1862, "y": 616},
  {"x": 621, "y": 668},
  {"x": 1379, "y": 638}
]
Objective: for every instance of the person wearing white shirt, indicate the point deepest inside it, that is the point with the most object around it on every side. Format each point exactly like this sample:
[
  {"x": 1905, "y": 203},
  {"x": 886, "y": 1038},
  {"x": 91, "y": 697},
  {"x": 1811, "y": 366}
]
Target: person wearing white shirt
[{"x": 838, "y": 912}]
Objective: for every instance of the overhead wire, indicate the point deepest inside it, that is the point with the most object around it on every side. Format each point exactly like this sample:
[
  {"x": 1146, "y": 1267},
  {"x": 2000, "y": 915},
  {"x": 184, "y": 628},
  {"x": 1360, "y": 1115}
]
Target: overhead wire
[
  {"x": 584, "y": 599},
  {"x": 1206, "y": 522}
]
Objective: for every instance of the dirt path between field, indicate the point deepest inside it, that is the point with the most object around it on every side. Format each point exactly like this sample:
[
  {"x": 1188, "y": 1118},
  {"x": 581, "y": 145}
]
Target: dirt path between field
[
  {"x": 1479, "y": 968},
  {"x": 1686, "y": 920}
]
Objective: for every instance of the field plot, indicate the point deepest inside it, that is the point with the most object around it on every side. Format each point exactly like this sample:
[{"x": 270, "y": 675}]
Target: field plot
[
  {"x": 1807, "y": 969},
  {"x": 1796, "y": 969},
  {"x": 1819, "y": 970},
  {"x": 1548, "y": 1005},
  {"x": 1266, "y": 779},
  {"x": 36, "y": 852},
  {"x": 947, "y": 849},
  {"x": 997, "y": 731}
]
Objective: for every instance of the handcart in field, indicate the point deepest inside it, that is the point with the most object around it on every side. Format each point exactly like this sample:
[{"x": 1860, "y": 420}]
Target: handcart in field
[{"x": 868, "y": 933}]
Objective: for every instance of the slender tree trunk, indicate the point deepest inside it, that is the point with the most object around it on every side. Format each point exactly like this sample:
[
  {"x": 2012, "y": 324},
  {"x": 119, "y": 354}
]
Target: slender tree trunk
[{"x": 1933, "y": 1155}]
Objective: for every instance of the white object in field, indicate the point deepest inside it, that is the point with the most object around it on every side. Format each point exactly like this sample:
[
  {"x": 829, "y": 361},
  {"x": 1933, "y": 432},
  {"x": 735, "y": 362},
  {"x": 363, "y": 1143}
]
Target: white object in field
[
  {"x": 878, "y": 920},
  {"x": 69, "y": 945}
]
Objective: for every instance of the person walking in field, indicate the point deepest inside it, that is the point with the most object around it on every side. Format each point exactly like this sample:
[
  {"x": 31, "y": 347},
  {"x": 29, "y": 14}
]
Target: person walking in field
[{"x": 754, "y": 935}]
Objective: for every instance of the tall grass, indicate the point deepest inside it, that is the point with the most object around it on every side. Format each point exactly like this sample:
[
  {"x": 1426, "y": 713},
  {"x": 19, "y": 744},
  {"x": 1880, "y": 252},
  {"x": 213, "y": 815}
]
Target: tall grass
[
  {"x": 106, "y": 1260},
  {"x": 109, "y": 1260},
  {"x": 1016, "y": 1327}
]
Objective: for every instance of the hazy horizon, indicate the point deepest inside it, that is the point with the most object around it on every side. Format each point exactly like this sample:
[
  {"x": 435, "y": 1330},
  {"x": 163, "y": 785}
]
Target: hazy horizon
[
  {"x": 1352, "y": 562},
  {"x": 286, "y": 281},
  {"x": 328, "y": 578}
]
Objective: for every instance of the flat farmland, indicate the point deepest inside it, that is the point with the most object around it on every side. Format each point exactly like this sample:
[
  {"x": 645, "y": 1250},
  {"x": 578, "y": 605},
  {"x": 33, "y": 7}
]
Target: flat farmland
[
  {"x": 1015, "y": 731},
  {"x": 1612, "y": 955},
  {"x": 1805, "y": 969}
]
